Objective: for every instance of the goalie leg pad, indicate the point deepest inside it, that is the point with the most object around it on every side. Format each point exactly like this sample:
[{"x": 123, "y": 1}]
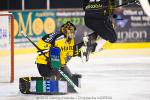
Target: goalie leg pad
[{"x": 40, "y": 85}]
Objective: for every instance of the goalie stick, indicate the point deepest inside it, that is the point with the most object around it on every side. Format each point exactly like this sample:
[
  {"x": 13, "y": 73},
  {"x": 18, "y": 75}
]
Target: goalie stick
[
  {"x": 25, "y": 35},
  {"x": 59, "y": 70}
]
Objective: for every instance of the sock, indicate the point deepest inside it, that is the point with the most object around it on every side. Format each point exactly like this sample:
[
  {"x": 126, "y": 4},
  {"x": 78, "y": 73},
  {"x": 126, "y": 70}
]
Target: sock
[{"x": 100, "y": 42}]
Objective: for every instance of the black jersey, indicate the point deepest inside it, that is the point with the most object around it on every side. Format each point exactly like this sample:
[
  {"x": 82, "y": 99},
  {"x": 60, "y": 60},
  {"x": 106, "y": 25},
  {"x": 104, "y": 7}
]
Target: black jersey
[{"x": 98, "y": 8}]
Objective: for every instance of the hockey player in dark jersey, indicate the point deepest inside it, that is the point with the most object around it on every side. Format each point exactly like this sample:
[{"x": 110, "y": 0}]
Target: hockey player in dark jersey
[{"x": 98, "y": 18}]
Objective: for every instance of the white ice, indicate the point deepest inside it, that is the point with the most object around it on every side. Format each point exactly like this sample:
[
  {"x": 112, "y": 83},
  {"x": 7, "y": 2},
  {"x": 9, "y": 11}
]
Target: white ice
[{"x": 109, "y": 75}]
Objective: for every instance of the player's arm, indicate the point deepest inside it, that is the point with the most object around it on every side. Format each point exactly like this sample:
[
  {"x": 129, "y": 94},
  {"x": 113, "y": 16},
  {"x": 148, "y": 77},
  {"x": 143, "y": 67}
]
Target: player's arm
[
  {"x": 46, "y": 42},
  {"x": 44, "y": 46},
  {"x": 84, "y": 3}
]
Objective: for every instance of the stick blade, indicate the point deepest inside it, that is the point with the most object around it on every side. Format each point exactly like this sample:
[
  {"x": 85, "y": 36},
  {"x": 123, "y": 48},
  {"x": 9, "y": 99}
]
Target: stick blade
[
  {"x": 78, "y": 90},
  {"x": 22, "y": 32}
]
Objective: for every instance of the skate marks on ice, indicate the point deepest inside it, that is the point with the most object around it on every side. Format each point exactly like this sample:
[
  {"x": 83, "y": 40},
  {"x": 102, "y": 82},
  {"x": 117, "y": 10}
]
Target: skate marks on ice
[
  {"x": 8, "y": 90},
  {"x": 122, "y": 78},
  {"x": 24, "y": 65}
]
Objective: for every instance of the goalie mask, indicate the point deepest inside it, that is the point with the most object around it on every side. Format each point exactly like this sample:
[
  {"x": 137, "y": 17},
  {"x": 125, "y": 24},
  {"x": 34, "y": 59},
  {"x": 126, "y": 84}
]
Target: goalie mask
[{"x": 68, "y": 29}]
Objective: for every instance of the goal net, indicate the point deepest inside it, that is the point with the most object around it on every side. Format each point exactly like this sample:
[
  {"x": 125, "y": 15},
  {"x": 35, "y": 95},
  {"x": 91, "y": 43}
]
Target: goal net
[{"x": 6, "y": 48}]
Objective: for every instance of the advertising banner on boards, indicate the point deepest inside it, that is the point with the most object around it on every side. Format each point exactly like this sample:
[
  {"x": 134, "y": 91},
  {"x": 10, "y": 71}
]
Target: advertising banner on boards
[
  {"x": 132, "y": 24},
  {"x": 35, "y": 24}
]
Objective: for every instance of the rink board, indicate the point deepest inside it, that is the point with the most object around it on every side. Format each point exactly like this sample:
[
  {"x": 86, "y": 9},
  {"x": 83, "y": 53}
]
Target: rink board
[{"x": 116, "y": 46}]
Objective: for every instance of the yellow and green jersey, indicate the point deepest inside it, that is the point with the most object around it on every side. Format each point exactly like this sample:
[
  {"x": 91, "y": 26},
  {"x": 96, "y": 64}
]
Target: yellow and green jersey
[{"x": 57, "y": 40}]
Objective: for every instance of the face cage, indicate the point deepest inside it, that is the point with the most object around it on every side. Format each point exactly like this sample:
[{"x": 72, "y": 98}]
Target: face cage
[{"x": 70, "y": 33}]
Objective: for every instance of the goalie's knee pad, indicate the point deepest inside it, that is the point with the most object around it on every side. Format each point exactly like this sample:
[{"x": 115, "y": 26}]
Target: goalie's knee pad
[{"x": 24, "y": 85}]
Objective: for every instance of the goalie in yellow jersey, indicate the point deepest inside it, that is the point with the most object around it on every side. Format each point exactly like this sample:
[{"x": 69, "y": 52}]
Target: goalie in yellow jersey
[{"x": 64, "y": 40}]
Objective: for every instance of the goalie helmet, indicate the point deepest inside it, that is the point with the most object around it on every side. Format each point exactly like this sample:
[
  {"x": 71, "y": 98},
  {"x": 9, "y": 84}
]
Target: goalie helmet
[{"x": 68, "y": 29}]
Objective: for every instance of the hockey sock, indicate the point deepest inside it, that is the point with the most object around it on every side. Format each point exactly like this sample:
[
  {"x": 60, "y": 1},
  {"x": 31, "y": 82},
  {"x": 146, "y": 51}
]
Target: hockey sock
[{"x": 100, "y": 42}]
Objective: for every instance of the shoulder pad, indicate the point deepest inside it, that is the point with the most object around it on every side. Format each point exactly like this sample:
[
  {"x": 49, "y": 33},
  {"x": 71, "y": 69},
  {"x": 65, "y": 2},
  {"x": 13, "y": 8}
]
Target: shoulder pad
[
  {"x": 60, "y": 37},
  {"x": 49, "y": 37}
]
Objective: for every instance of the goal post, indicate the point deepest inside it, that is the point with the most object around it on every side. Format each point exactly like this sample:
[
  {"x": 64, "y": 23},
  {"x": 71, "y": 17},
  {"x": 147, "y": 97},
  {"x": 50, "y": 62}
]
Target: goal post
[{"x": 6, "y": 47}]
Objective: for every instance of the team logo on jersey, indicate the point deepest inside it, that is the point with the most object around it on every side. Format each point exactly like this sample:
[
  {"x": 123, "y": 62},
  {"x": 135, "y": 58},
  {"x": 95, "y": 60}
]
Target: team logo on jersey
[
  {"x": 94, "y": 6},
  {"x": 65, "y": 48}
]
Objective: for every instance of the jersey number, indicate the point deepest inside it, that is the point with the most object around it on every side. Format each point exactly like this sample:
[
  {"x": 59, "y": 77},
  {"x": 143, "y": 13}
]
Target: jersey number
[{"x": 95, "y": 0}]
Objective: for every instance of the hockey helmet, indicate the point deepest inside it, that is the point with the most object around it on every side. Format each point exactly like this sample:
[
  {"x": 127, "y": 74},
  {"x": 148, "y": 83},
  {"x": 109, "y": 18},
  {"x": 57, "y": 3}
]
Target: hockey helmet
[{"x": 68, "y": 29}]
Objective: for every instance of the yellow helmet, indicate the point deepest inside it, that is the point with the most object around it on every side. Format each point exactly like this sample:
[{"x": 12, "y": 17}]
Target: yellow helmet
[{"x": 68, "y": 29}]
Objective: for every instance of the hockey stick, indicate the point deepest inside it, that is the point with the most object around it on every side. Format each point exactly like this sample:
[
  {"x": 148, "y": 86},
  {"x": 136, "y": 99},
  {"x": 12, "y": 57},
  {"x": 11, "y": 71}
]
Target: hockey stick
[
  {"x": 25, "y": 35},
  {"x": 77, "y": 89},
  {"x": 59, "y": 70}
]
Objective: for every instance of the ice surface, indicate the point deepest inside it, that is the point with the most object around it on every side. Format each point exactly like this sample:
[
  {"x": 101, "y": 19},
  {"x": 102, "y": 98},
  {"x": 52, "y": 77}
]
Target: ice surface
[{"x": 109, "y": 75}]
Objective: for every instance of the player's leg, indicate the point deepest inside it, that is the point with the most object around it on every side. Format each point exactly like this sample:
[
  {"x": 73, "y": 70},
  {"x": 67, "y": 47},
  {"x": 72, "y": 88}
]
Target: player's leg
[
  {"x": 106, "y": 33},
  {"x": 104, "y": 29},
  {"x": 67, "y": 71},
  {"x": 96, "y": 25},
  {"x": 92, "y": 42},
  {"x": 74, "y": 77},
  {"x": 109, "y": 32},
  {"x": 46, "y": 71}
]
